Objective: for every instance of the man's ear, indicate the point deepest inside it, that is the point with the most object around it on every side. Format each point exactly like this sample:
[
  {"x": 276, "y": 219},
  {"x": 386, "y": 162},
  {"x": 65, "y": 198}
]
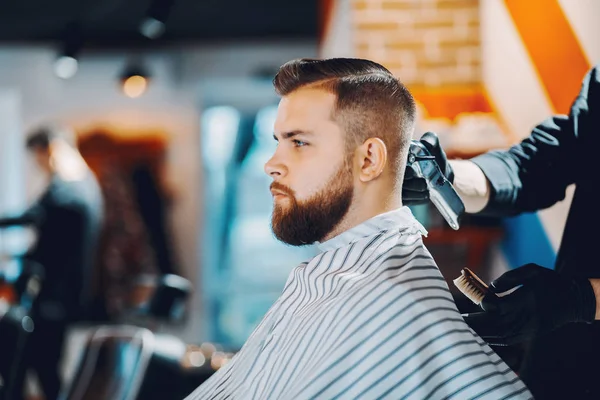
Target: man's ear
[{"x": 372, "y": 158}]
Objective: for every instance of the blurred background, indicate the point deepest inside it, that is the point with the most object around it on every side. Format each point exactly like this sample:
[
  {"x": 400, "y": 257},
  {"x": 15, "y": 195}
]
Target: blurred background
[{"x": 173, "y": 109}]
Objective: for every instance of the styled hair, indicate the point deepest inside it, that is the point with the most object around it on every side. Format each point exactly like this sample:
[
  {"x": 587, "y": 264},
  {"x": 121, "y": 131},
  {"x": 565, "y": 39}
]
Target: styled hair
[
  {"x": 41, "y": 138},
  {"x": 370, "y": 101}
]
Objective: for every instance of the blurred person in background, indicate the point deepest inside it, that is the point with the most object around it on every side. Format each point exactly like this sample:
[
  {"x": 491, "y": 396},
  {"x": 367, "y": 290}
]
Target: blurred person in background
[
  {"x": 67, "y": 219},
  {"x": 370, "y": 316},
  {"x": 553, "y": 311}
]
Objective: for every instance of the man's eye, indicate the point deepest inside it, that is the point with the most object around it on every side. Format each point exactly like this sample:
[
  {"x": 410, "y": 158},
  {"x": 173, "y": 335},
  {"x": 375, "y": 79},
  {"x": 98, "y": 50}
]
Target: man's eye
[{"x": 299, "y": 143}]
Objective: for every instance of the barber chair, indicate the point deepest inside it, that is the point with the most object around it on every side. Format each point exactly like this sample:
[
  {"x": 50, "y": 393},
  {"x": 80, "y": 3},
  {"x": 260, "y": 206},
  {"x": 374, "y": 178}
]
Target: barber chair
[
  {"x": 127, "y": 362},
  {"x": 17, "y": 296},
  {"x": 166, "y": 303}
]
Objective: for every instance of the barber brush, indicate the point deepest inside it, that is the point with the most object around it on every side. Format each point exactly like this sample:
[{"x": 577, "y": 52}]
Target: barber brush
[{"x": 471, "y": 286}]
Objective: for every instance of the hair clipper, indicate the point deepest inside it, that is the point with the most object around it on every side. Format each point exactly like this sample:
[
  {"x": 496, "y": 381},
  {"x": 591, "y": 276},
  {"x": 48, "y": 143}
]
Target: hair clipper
[{"x": 441, "y": 192}]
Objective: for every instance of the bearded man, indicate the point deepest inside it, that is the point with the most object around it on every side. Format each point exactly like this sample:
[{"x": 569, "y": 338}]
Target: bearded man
[{"x": 370, "y": 316}]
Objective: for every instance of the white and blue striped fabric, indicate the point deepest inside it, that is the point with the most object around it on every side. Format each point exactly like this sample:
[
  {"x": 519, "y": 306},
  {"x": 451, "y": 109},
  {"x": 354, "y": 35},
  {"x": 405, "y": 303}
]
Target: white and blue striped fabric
[{"x": 370, "y": 317}]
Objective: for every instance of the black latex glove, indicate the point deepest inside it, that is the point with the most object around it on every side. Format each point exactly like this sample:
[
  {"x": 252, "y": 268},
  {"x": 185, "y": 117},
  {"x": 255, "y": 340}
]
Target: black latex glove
[
  {"x": 414, "y": 188},
  {"x": 546, "y": 301}
]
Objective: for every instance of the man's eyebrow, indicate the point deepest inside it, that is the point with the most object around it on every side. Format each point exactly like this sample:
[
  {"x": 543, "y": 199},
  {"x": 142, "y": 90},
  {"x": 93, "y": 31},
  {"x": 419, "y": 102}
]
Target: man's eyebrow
[{"x": 291, "y": 134}]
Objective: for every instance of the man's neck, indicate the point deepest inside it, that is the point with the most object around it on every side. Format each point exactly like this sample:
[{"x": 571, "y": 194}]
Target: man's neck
[{"x": 363, "y": 210}]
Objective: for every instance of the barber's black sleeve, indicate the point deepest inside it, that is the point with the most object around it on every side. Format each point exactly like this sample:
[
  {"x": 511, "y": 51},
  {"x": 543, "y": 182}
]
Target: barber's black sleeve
[
  {"x": 32, "y": 216},
  {"x": 535, "y": 173}
]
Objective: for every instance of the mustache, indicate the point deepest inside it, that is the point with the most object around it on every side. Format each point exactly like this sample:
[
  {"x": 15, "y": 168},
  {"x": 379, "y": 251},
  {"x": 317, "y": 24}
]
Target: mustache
[{"x": 282, "y": 188}]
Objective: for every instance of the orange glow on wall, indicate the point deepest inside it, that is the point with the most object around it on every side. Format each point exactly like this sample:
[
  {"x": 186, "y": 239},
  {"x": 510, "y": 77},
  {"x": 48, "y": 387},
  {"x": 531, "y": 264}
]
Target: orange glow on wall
[{"x": 555, "y": 52}]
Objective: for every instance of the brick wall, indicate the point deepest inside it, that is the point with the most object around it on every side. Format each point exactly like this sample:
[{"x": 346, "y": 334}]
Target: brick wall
[
  {"x": 428, "y": 44},
  {"x": 434, "y": 47}
]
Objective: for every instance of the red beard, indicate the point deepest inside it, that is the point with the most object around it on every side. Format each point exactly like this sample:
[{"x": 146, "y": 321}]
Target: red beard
[{"x": 303, "y": 223}]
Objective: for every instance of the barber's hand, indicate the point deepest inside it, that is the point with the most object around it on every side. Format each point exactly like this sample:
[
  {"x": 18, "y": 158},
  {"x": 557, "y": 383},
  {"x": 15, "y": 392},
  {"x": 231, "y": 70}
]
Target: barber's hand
[
  {"x": 414, "y": 188},
  {"x": 546, "y": 301}
]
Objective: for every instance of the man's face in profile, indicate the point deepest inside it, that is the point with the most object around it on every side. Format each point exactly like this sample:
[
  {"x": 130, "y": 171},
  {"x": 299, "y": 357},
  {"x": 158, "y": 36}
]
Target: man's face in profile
[
  {"x": 41, "y": 157},
  {"x": 312, "y": 174}
]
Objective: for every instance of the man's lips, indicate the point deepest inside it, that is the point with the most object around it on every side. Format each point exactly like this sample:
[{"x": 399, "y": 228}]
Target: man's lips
[{"x": 278, "y": 193}]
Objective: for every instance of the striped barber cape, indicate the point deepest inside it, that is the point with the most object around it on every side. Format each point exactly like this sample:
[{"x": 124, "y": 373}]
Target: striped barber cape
[{"x": 370, "y": 317}]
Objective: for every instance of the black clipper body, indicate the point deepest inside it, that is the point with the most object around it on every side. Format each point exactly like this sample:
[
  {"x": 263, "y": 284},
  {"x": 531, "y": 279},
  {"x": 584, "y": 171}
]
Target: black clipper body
[{"x": 441, "y": 192}]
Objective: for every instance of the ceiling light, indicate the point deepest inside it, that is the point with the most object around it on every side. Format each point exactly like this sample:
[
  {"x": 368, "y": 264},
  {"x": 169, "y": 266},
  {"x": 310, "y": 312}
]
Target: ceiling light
[
  {"x": 153, "y": 26},
  {"x": 66, "y": 64},
  {"x": 134, "y": 81}
]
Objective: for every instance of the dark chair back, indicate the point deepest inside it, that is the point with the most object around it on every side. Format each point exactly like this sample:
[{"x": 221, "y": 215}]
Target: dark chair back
[{"x": 113, "y": 364}]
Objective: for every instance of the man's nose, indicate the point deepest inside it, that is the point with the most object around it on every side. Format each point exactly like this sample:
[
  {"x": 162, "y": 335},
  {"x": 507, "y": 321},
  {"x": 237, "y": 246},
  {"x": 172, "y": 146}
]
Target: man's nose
[{"x": 274, "y": 167}]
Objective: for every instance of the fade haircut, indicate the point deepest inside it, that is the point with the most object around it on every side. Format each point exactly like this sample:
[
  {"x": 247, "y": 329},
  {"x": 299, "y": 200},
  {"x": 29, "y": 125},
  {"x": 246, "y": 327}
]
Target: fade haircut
[{"x": 370, "y": 101}]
